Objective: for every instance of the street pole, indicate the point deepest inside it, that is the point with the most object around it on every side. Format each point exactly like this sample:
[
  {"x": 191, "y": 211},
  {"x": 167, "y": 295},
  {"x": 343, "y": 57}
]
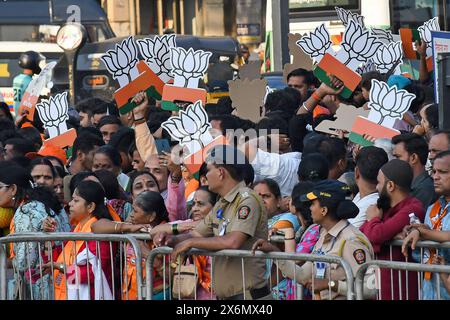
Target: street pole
[
  {"x": 443, "y": 66},
  {"x": 280, "y": 23}
]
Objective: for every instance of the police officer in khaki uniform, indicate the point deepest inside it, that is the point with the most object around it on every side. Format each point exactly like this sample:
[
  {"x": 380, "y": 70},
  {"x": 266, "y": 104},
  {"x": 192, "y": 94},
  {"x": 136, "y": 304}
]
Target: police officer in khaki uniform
[
  {"x": 237, "y": 220},
  {"x": 330, "y": 210}
]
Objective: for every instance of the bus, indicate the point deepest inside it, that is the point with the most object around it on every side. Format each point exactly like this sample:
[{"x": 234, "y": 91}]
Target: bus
[{"x": 306, "y": 15}]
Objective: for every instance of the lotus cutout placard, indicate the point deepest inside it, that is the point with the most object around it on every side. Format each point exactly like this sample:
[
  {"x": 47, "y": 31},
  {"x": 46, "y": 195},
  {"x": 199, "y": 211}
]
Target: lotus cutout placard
[
  {"x": 133, "y": 75},
  {"x": 369, "y": 66},
  {"x": 423, "y": 33},
  {"x": 357, "y": 47},
  {"x": 54, "y": 113},
  {"x": 346, "y": 16},
  {"x": 387, "y": 104},
  {"x": 317, "y": 43},
  {"x": 388, "y": 57},
  {"x": 191, "y": 128},
  {"x": 156, "y": 53},
  {"x": 188, "y": 67},
  {"x": 384, "y": 36}
]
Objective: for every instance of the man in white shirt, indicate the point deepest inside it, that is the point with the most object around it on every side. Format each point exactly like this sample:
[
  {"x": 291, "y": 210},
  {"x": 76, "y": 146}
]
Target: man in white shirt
[
  {"x": 368, "y": 162},
  {"x": 280, "y": 167}
]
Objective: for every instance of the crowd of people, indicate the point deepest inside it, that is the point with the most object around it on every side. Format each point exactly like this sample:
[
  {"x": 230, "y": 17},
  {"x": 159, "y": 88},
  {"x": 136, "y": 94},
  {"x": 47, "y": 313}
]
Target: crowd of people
[{"x": 324, "y": 194}]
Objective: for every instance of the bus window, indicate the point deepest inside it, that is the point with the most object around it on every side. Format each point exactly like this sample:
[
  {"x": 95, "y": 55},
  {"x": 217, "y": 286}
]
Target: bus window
[
  {"x": 95, "y": 33},
  {"x": 29, "y": 33},
  {"x": 323, "y": 7},
  {"x": 413, "y": 13}
]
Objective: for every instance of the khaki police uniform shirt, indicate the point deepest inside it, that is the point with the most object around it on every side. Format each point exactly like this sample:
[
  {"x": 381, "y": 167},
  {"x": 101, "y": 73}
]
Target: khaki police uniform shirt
[
  {"x": 343, "y": 240},
  {"x": 243, "y": 211}
]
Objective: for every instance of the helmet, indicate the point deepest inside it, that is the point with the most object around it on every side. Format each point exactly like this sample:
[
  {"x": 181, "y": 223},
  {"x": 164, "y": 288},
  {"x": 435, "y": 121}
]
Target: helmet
[
  {"x": 31, "y": 60},
  {"x": 243, "y": 48}
]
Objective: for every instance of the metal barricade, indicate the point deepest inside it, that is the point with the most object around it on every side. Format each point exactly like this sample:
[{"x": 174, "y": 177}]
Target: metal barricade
[
  {"x": 249, "y": 255},
  {"x": 405, "y": 283},
  {"x": 41, "y": 246},
  {"x": 392, "y": 265}
]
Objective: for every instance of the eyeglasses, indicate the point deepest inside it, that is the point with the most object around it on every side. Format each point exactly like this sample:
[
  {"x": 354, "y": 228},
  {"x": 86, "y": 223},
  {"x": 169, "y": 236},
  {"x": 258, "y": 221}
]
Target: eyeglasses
[{"x": 5, "y": 186}]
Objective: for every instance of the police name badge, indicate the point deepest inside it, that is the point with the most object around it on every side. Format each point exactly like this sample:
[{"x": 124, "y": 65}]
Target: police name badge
[
  {"x": 320, "y": 270},
  {"x": 223, "y": 227}
]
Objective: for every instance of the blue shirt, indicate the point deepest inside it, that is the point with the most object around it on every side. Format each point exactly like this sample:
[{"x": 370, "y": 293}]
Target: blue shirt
[{"x": 429, "y": 289}]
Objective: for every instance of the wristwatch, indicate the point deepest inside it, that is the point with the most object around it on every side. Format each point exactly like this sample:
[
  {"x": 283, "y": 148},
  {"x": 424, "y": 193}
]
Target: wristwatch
[{"x": 333, "y": 285}]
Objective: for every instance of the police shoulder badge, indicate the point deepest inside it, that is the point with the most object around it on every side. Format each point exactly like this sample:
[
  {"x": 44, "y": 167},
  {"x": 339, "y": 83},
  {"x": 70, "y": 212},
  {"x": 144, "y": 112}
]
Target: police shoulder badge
[
  {"x": 243, "y": 212},
  {"x": 360, "y": 256}
]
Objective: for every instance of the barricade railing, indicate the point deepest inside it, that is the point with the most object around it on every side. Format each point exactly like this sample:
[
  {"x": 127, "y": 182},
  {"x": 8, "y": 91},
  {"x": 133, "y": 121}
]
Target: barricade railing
[
  {"x": 38, "y": 248},
  {"x": 423, "y": 244},
  {"x": 404, "y": 283},
  {"x": 398, "y": 266},
  {"x": 275, "y": 256}
]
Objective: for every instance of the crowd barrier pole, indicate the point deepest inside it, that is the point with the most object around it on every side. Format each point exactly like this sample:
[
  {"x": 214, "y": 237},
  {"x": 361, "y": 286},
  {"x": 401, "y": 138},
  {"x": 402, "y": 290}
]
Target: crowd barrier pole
[
  {"x": 423, "y": 244},
  {"x": 62, "y": 237},
  {"x": 394, "y": 265},
  {"x": 249, "y": 255},
  {"x": 422, "y": 250}
]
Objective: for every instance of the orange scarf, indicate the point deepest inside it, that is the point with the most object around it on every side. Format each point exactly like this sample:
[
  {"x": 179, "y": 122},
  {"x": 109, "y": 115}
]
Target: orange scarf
[
  {"x": 68, "y": 258},
  {"x": 204, "y": 277},
  {"x": 113, "y": 213},
  {"x": 436, "y": 224}
]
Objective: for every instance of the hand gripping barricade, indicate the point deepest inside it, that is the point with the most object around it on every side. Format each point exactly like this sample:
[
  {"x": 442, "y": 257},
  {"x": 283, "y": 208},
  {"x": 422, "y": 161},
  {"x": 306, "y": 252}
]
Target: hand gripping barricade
[
  {"x": 401, "y": 273},
  {"x": 239, "y": 254},
  {"x": 35, "y": 279}
]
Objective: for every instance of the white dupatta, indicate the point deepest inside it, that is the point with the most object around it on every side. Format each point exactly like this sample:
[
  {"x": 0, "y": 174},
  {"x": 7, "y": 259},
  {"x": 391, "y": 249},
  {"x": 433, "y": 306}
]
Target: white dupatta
[{"x": 81, "y": 291}]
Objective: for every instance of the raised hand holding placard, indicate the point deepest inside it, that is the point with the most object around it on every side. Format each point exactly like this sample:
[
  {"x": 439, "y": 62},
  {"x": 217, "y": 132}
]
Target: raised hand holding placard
[
  {"x": 387, "y": 104},
  {"x": 133, "y": 75},
  {"x": 358, "y": 46},
  {"x": 425, "y": 33}
]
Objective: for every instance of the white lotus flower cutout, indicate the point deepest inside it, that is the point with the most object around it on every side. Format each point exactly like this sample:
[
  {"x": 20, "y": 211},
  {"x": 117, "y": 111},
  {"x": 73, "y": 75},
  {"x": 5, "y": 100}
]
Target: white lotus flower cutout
[
  {"x": 156, "y": 52},
  {"x": 388, "y": 104},
  {"x": 369, "y": 66},
  {"x": 188, "y": 66},
  {"x": 384, "y": 36},
  {"x": 427, "y": 27},
  {"x": 388, "y": 56},
  {"x": 54, "y": 113},
  {"x": 358, "y": 44},
  {"x": 425, "y": 32},
  {"x": 190, "y": 128},
  {"x": 122, "y": 61},
  {"x": 317, "y": 43},
  {"x": 345, "y": 16}
]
